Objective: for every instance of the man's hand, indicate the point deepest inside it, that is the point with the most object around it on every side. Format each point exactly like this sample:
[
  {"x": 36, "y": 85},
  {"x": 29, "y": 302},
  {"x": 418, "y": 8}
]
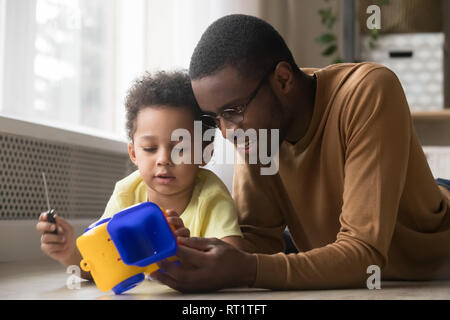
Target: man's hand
[{"x": 207, "y": 264}]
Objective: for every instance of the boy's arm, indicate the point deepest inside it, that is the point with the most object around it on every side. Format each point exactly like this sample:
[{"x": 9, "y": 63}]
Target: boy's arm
[{"x": 75, "y": 259}]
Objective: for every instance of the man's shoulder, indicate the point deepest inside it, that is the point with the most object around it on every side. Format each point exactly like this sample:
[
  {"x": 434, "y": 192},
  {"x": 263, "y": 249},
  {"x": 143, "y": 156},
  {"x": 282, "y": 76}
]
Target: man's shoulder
[
  {"x": 351, "y": 74},
  {"x": 351, "y": 82}
]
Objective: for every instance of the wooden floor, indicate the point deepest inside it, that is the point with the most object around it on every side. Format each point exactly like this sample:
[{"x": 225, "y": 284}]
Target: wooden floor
[{"x": 45, "y": 279}]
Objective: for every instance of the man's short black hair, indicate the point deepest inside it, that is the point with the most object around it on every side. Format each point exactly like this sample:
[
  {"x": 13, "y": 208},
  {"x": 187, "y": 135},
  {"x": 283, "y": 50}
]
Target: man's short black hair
[
  {"x": 244, "y": 42},
  {"x": 159, "y": 89}
]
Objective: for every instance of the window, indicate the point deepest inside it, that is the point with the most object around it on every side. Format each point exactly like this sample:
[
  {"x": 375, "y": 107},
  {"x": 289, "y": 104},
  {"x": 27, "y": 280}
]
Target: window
[{"x": 69, "y": 63}]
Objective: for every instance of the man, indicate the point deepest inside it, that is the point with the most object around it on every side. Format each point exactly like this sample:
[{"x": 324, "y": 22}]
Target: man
[{"x": 353, "y": 187}]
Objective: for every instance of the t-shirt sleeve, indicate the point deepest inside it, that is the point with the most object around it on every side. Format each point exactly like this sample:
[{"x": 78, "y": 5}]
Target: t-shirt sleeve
[
  {"x": 219, "y": 216},
  {"x": 112, "y": 207},
  {"x": 377, "y": 127}
]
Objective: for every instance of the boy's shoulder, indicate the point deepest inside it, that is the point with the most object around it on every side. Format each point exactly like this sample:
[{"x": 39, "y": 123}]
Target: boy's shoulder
[
  {"x": 211, "y": 185},
  {"x": 130, "y": 183}
]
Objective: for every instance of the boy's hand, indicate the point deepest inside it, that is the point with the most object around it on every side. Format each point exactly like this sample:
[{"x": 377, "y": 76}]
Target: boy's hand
[
  {"x": 177, "y": 224},
  {"x": 61, "y": 246}
]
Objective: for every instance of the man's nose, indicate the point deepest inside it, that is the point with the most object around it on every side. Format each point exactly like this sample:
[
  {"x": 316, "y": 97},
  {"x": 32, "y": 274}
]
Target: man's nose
[{"x": 228, "y": 128}]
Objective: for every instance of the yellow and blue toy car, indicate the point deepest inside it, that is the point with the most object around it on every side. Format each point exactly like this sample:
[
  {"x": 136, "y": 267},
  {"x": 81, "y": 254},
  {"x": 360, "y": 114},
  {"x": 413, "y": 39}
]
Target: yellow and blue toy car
[{"x": 118, "y": 251}]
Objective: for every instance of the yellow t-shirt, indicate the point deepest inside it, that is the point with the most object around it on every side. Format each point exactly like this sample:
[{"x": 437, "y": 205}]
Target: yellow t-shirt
[{"x": 210, "y": 213}]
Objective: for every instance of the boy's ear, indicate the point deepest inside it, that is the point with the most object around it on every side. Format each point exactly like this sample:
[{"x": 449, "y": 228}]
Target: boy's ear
[{"x": 132, "y": 152}]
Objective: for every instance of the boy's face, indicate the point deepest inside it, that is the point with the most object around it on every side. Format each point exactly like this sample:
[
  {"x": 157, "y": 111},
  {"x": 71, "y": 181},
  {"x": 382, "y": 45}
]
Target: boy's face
[{"x": 152, "y": 147}]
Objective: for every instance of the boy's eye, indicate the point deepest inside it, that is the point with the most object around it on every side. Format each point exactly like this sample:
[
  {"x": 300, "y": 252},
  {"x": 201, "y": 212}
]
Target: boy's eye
[{"x": 152, "y": 149}]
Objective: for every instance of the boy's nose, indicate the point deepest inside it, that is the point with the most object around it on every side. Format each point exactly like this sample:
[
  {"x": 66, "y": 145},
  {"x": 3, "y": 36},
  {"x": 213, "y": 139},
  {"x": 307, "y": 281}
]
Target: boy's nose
[{"x": 164, "y": 158}]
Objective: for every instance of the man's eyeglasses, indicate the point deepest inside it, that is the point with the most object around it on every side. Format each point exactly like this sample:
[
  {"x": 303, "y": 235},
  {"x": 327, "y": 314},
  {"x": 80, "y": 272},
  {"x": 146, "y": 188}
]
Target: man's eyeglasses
[{"x": 233, "y": 115}]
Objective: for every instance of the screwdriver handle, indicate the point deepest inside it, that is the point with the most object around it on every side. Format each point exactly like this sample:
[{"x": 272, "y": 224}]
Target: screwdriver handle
[{"x": 51, "y": 219}]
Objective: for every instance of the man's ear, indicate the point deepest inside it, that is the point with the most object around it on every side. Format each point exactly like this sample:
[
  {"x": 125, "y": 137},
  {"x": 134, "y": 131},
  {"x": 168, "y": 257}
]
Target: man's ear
[
  {"x": 132, "y": 152},
  {"x": 284, "y": 77}
]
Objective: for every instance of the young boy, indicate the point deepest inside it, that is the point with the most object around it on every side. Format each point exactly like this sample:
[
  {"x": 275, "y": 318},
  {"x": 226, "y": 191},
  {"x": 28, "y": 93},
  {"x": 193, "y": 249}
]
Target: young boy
[{"x": 157, "y": 105}]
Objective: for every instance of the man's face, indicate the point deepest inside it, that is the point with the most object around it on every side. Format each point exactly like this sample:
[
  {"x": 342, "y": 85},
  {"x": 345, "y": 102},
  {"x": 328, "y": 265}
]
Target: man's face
[{"x": 228, "y": 89}]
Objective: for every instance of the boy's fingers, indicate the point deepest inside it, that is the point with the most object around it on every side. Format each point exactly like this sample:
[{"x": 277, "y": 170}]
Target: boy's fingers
[
  {"x": 175, "y": 221},
  {"x": 63, "y": 223},
  {"x": 52, "y": 238},
  {"x": 52, "y": 247},
  {"x": 171, "y": 213},
  {"x": 44, "y": 227},
  {"x": 43, "y": 216},
  {"x": 183, "y": 232}
]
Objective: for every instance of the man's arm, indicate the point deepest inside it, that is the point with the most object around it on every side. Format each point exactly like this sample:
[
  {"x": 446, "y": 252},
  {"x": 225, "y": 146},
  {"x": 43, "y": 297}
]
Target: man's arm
[
  {"x": 378, "y": 136},
  {"x": 260, "y": 209},
  {"x": 240, "y": 243}
]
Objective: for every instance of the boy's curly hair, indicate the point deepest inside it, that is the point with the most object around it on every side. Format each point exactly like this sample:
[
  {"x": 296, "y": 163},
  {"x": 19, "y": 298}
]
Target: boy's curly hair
[{"x": 161, "y": 88}]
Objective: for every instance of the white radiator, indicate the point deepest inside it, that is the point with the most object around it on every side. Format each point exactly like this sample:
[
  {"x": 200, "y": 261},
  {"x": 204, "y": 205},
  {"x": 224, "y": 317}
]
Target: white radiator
[{"x": 81, "y": 171}]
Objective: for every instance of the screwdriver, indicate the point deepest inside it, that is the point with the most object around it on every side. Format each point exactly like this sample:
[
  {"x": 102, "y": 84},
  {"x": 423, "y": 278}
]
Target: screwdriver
[{"x": 51, "y": 212}]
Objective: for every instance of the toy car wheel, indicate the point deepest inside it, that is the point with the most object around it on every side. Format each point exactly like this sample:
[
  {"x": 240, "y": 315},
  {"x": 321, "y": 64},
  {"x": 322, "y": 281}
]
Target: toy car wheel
[{"x": 129, "y": 283}]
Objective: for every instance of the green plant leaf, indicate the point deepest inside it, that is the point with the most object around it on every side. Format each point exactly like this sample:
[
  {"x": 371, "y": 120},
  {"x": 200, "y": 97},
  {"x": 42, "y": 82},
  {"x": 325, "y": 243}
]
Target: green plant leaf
[
  {"x": 374, "y": 33},
  {"x": 326, "y": 38},
  {"x": 326, "y": 14},
  {"x": 330, "y": 50},
  {"x": 338, "y": 60},
  {"x": 331, "y": 21},
  {"x": 382, "y": 2}
]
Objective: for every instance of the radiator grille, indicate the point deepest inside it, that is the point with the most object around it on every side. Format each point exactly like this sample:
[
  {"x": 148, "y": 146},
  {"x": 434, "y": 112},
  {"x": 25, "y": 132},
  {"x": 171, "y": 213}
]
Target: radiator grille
[{"x": 80, "y": 179}]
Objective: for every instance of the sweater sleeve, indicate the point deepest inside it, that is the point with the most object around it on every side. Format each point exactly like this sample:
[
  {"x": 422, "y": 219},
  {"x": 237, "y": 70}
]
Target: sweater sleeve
[
  {"x": 259, "y": 208},
  {"x": 376, "y": 126}
]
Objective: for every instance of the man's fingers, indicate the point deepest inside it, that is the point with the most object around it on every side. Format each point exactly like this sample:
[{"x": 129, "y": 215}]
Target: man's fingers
[
  {"x": 165, "y": 279},
  {"x": 190, "y": 256},
  {"x": 198, "y": 243},
  {"x": 173, "y": 270}
]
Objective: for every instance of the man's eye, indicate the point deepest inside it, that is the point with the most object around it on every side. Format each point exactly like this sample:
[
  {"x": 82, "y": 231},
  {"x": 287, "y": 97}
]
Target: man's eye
[
  {"x": 152, "y": 149},
  {"x": 230, "y": 113}
]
